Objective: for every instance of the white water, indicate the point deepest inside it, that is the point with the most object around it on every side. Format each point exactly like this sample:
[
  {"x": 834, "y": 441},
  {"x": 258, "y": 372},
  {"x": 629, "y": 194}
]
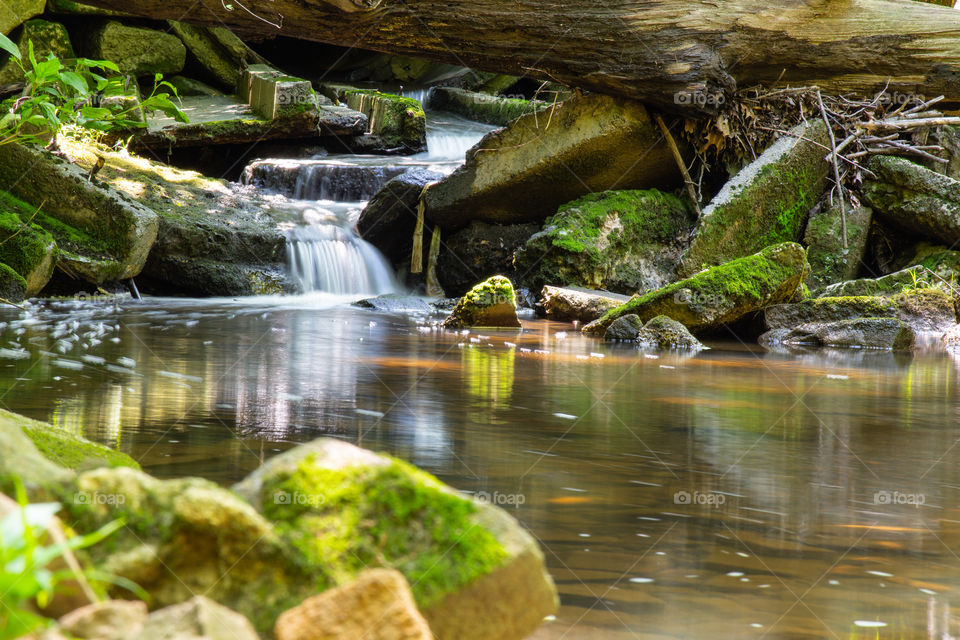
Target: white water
[{"x": 332, "y": 259}]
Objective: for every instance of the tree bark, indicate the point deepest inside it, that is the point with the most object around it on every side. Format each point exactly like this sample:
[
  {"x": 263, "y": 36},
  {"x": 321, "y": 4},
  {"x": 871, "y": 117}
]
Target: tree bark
[{"x": 686, "y": 55}]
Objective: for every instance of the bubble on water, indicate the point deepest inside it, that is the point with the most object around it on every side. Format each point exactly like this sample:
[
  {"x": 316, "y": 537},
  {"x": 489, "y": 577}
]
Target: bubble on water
[
  {"x": 123, "y": 361},
  {"x": 667, "y": 366},
  {"x": 929, "y": 592},
  {"x": 67, "y": 364},
  {"x": 584, "y": 535},
  {"x": 565, "y": 416},
  {"x": 650, "y": 356},
  {"x": 834, "y": 376},
  {"x": 882, "y": 574},
  {"x": 833, "y": 582},
  {"x": 756, "y": 625},
  {"x": 870, "y": 624},
  {"x": 369, "y": 412},
  {"x": 93, "y": 359},
  {"x": 735, "y": 574},
  {"x": 641, "y": 580},
  {"x": 179, "y": 376},
  {"x": 14, "y": 354},
  {"x": 594, "y": 354}
]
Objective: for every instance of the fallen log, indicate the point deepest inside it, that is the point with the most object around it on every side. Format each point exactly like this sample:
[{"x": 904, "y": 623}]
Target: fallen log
[{"x": 688, "y": 56}]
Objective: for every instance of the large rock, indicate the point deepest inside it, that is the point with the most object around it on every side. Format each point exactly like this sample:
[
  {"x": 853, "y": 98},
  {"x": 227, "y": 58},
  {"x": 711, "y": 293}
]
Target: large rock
[
  {"x": 137, "y": 51},
  {"x": 492, "y": 303},
  {"x": 107, "y": 620},
  {"x": 663, "y": 332},
  {"x": 481, "y": 250},
  {"x": 921, "y": 309},
  {"x": 829, "y": 261},
  {"x": 13, "y": 13},
  {"x": 199, "y": 618},
  {"x": 103, "y": 234},
  {"x": 888, "y": 285},
  {"x": 214, "y": 239},
  {"x": 378, "y": 605},
  {"x": 860, "y": 333},
  {"x": 483, "y": 107},
  {"x": 47, "y": 37},
  {"x": 13, "y": 288},
  {"x": 764, "y": 203},
  {"x": 624, "y": 329},
  {"x": 524, "y": 172},
  {"x": 942, "y": 261},
  {"x": 390, "y": 217},
  {"x": 24, "y": 246},
  {"x": 915, "y": 199},
  {"x": 721, "y": 295},
  {"x": 397, "y": 124},
  {"x": 575, "y": 304},
  {"x": 19, "y": 457},
  {"x": 475, "y": 572},
  {"x": 623, "y": 241},
  {"x": 219, "y": 55}
]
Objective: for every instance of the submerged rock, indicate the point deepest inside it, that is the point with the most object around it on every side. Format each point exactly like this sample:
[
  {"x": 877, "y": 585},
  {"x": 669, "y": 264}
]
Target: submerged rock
[
  {"x": 624, "y": 241},
  {"x": 483, "y": 107},
  {"x": 914, "y": 199},
  {"x": 378, "y": 605},
  {"x": 862, "y": 333},
  {"x": 137, "y": 51},
  {"x": 492, "y": 303},
  {"x": 624, "y": 329},
  {"x": 474, "y": 571},
  {"x": 578, "y": 304},
  {"x": 829, "y": 261},
  {"x": 721, "y": 295},
  {"x": 663, "y": 332},
  {"x": 765, "y": 203},
  {"x": 524, "y": 172},
  {"x": 481, "y": 250}
]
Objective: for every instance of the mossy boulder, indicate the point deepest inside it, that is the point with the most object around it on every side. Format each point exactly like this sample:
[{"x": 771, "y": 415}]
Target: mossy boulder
[
  {"x": 914, "y": 199},
  {"x": 721, "y": 295},
  {"x": 475, "y": 573},
  {"x": 525, "y": 171},
  {"x": 19, "y": 456},
  {"x": 622, "y": 241},
  {"x": 25, "y": 246},
  {"x": 67, "y": 449},
  {"x": 68, "y": 7},
  {"x": 483, "y": 107},
  {"x": 492, "y": 303},
  {"x": 663, "y": 332},
  {"x": 14, "y": 12},
  {"x": 481, "y": 250},
  {"x": 47, "y": 37},
  {"x": 136, "y": 50},
  {"x": 829, "y": 261},
  {"x": 764, "y": 203},
  {"x": 888, "y": 285},
  {"x": 398, "y": 123},
  {"x": 13, "y": 288},
  {"x": 921, "y": 309},
  {"x": 859, "y": 333},
  {"x": 624, "y": 329},
  {"x": 941, "y": 260}
]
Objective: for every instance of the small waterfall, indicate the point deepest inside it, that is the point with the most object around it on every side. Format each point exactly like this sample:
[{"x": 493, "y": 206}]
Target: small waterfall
[
  {"x": 420, "y": 95},
  {"x": 320, "y": 180},
  {"x": 449, "y": 136},
  {"x": 331, "y": 259}
]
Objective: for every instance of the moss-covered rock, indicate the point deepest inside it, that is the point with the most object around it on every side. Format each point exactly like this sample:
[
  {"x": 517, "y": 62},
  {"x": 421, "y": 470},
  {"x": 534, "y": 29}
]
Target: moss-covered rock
[
  {"x": 527, "y": 170},
  {"x": 67, "y": 449},
  {"x": 829, "y": 261},
  {"x": 474, "y": 572},
  {"x": 941, "y": 260},
  {"x": 888, "y": 285},
  {"x": 215, "y": 52},
  {"x": 47, "y": 37},
  {"x": 765, "y": 203},
  {"x": 492, "y": 303},
  {"x": 13, "y": 288},
  {"x": 859, "y": 333},
  {"x": 624, "y": 329},
  {"x": 663, "y": 332},
  {"x": 483, "y": 107},
  {"x": 19, "y": 456},
  {"x": 622, "y": 241},
  {"x": 68, "y": 7},
  {"x": 398, "y": 123},
  {"x": 480, "y": 250},
  {"x": 721, "y": 295},
  {"x": 24, "y": 245},
  {"x": 137, "y": 51},
  {"x": 14, "y": 12}
]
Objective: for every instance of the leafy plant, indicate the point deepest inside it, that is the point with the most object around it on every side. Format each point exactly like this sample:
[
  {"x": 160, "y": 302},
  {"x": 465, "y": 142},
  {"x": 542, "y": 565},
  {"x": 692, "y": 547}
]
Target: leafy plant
[
  {"x": 56, "y": 96},
  {"x": 29, "y": 571}
]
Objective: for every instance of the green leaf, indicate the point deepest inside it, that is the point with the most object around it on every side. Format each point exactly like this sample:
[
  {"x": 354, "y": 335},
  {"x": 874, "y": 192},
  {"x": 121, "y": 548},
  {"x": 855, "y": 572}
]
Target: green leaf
[
  {"x": 75, "y": 81},
  {"x": 8, "y": 45},
  {"x": 95, "y": 113}
]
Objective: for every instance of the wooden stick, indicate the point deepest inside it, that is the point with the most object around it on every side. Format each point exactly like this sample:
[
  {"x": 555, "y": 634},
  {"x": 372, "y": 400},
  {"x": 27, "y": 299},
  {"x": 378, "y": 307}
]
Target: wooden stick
[
  {"x": 672, "y": 144},
  {"x": 836, "y": 170}
]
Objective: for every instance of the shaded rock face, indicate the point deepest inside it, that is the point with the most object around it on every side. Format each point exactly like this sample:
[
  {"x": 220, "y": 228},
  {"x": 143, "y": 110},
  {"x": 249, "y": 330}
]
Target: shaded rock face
[
  {"x": 624, "y": 329},
  {"x": 14, "y": 12},
  {"x": 765, "y": 203},
  {"x": 663, "y": 332},
  {"x": 524, "y": 172},
  {"x": 13, "y": 287},
  {"x": 921, "y": 309},
  {"x": 942, "y": 261},
  {"x": 378, "y": 605},
  {"x": 888, "y": 285},
  {"x": 47, "y": 38},
  {"x": 860, "y": 333},
  {"x": 721, "y": 295},
  {"x": 103, "y": 234},
  {"x": 492, "y": 303},
  {"x": 623, "y": 241},
  {"x": 26, "y": 248},
  {"x": 914, "y": 199},
  {"x": 137, "y": 51},
  {"x": 829, "y": 261},
  {"x": 481, "y": 250},
  {"x": 216, "y": 52},
  {"x": 474, "y": 571},
  {"x": 576, "y": 304},
  {"x": 390, "y": 217},
  {"x": 483, "y": 107}
]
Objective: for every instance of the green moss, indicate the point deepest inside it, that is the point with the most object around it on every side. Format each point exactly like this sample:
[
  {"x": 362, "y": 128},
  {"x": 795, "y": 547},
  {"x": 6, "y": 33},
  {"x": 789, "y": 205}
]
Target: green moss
[
  {"x": 493, "y": 302},
  {"x": 73, "y": 451},
  {"x": 398, "y": 120},
  {"x": 13, "y": 287},
  {"x": 394, "y": 516},
  {"x": 23, "y": 243}
]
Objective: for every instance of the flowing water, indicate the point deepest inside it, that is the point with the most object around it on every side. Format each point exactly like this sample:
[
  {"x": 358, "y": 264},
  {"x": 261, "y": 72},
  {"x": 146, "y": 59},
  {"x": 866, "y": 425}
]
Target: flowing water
[{"x": 733, "y": 494}]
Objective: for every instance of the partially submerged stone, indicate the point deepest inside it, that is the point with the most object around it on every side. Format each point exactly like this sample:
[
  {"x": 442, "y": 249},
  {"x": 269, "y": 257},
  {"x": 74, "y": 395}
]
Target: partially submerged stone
[
  {"x": 663, "y": 332},
  {"x": 24, "y": 246},
  {"x": 721, "y": 295},
  {"x": 378, "y": 605},
  {"x": 492, "y": 303},
  {"x": 765, "y": 203},
  {"x": 137, "y": 51},
  {"x": 397, "y": 124},
  {"x": 47, "y": 37},
  {"x": 199, "y": 618},
  {"x": 525, "y": 171},
  {"x": 396, "y": 303},
  {"x": 860, "y": 333},
  {"x": 578, "y": 304},
  {"x": 474, "y": 571},
  {"x": 829, "y": 261},
  {"x": 13, "y": 13},
  {"x": 483, "y": 107},
  {"x": 915, "y": 199},
  {"x": 623, "y": 241},
  {"x": 481, "y": 250},
  {"x": 624, "y": 329},
  {"x": 951, "y": 337}
]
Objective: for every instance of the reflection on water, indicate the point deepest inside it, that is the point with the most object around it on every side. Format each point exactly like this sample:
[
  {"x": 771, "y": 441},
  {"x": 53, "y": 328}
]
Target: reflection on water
[{"x": 732, "y": 494}]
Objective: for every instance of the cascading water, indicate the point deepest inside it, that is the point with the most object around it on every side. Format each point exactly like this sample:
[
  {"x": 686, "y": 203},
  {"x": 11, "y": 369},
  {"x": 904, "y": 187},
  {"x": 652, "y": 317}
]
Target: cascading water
[{"x": 333, "y": 259}]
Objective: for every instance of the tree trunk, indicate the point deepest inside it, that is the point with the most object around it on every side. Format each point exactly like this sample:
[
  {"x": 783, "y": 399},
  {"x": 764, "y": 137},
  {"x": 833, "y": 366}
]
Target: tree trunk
[{"x": 685, "y": 55}]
